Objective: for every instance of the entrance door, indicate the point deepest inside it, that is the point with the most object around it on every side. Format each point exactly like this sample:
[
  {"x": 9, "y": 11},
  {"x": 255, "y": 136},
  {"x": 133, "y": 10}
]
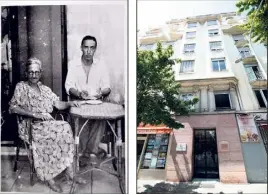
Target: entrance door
[{"x": 205, "y": 154}]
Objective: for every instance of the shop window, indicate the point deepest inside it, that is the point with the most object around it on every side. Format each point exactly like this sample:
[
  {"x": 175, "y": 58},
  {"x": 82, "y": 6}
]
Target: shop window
[
  {"x": 156, "y": 152},
  {"x": 222, "y": 101},
  {"x": 261, "y": 97}
]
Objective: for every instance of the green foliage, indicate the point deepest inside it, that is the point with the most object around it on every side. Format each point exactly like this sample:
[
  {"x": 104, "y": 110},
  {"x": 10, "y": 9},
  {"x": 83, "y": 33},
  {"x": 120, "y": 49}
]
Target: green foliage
[
  {"x": 157, "y": 91},
  {"x": 258, "y": 19}
]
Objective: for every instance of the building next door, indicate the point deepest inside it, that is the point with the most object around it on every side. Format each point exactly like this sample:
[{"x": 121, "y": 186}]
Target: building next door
[{"x": 205, "y": 154}]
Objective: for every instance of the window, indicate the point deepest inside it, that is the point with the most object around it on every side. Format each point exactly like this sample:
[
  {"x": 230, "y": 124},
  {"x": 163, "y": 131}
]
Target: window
[
  {"x": 188, "y": 48},
  {"x": 187, "y": 66},
  {"x": 261, "y": 95},
  {"x": 192, "y": 25},
  {"x": 147, "y": 47},
  {"x": 237, "y": 38},
  {"x": 222, "y": 101},
  {"x": 244, "y": 52},
  {"x": 215, "y": 46},
  {"x": 253, "y": 72},
  {"x": 168, "y": 43},
  {"x": 156, "y": 152},
  {"x": 190, "y": 35},
  {"x": 213, "y": 32},
  {"x": 212, "y": 22},
  {"x": 218, "y": 64},
  {"x": 187, "y": 97}
]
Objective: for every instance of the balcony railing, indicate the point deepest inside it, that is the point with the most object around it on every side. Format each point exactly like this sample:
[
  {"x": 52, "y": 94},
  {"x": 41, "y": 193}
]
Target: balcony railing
[
  {"x": 255, "y": 76},
  {"x": 245, "y": 54}
]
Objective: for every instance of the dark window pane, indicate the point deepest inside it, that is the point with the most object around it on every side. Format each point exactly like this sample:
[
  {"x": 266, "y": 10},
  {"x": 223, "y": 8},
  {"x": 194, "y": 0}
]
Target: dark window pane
[
  {"x": 260, "y": 100},
  {"x": 222, "y": 101},
  {"x": 265, "y": 93}
]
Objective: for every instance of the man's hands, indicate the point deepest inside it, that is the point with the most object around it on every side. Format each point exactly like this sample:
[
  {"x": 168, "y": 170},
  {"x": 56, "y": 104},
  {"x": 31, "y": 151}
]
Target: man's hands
[{"x": 85, "y": 96}]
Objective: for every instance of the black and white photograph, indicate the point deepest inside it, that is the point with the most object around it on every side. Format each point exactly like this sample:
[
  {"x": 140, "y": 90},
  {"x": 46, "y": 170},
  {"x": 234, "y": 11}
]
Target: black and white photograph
[{"x": 63, "y": 97}]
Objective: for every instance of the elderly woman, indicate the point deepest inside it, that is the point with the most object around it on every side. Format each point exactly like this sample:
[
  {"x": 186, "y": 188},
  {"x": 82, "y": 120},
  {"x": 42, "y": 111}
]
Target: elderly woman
[{"x": 52, "y": 140}]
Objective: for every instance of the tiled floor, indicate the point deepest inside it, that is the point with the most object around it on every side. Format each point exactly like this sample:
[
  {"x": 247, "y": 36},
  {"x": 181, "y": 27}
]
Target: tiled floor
[{"x": 98, "y": 181}]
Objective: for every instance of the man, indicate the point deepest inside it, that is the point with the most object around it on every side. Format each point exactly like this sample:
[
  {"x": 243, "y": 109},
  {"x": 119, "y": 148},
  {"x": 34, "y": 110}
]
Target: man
[{"x": 88, "y": 78}]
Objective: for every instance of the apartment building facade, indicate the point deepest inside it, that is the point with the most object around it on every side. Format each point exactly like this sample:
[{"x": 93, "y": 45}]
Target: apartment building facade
[{"x": 227, "y": 133}]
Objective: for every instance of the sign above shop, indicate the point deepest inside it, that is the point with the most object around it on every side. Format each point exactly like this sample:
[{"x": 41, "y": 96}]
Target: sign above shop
[
  {"x": 181, "y": 147},
  {"x": 154, "y": 131}
]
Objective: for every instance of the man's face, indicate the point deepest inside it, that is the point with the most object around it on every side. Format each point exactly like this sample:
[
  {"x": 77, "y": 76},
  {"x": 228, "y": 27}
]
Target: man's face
[{"x": 88, "y": 48}]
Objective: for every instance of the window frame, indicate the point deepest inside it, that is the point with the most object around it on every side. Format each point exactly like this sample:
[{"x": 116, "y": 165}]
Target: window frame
[
  {"x": 189, "y": 51},
  {"x": 263, "y": 97},
  {"x": 218, "y": 59},
  {"x": 193, "y": 95},
  {"x": 213, "y": 35},
  {"x": 189, "y": 23},
  {"x": 192, "y": 37},
  {"x": 219, "y": 48},
  {"x": 191, "y": 64},
  {"x": 242, "y": 51},
  {"x": 229, "y": 97},
  {"x": 216, "y": 21}
]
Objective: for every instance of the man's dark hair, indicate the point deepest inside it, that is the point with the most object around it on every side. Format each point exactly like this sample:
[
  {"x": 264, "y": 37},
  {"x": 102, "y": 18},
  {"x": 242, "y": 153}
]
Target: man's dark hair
[{"x": 88, "y": 37}]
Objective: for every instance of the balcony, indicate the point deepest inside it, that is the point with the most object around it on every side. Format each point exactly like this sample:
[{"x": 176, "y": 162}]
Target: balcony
[
  {"x": 240, "y": 42},
  {"x": 256, "y": 79},
  {"x": 247, "y": 57},
  {"x": 232, "y": 28}
]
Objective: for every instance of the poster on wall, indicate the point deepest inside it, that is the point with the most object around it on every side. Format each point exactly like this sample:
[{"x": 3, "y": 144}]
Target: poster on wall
[{"x": 247, "y": 128}]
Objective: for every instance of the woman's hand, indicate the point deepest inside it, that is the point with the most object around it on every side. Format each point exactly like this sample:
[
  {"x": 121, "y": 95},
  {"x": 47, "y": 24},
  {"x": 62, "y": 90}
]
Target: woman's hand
[
  {"x": 74, "y": 104},
  {"x": 43, "y": 116}
]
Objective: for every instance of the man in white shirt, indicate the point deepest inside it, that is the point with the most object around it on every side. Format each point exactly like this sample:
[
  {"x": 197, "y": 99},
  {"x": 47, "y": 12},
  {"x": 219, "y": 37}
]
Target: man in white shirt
[{"x": 87, "y": 78}]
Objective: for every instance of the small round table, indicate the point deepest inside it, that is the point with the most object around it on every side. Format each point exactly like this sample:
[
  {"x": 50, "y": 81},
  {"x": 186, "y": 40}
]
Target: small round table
[{"x": 104, "y": 111}]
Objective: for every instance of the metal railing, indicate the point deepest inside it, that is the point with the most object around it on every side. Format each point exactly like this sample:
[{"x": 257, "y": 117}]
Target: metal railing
[{"x": 255, "y": 76}]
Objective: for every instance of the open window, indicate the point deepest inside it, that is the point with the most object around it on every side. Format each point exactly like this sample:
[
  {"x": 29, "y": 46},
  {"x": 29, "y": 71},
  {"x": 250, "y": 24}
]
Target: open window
[
  {"x": 261, "y": 95},
  {"x": 223, "y": 101}
]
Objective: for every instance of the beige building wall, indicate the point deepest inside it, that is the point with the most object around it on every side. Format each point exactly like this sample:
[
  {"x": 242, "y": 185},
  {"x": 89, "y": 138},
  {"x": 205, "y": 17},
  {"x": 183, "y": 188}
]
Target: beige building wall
[{"x": 110, "y": 29}]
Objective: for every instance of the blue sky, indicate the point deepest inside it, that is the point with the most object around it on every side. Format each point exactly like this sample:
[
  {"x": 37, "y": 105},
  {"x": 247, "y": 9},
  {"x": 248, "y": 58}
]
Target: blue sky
[{"x": 153, "y": 13}]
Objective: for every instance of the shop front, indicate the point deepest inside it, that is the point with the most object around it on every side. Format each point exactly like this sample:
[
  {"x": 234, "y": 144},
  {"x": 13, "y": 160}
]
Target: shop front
[
  {"x": 254, "y": 137},
  {"x": 153, "y": 143}
]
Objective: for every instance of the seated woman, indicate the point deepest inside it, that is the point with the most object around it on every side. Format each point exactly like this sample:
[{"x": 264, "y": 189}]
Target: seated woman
[{"x": 52, "y": 141}]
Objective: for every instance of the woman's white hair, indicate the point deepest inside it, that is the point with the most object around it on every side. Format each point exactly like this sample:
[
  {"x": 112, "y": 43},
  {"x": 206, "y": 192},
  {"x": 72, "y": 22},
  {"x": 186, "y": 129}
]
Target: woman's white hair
[{"x": 32, "y": 61}]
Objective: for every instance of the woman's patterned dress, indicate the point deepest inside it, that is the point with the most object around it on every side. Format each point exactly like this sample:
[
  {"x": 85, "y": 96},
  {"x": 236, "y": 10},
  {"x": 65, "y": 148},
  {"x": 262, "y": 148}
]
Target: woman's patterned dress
[{"x": 52, "y": 141}]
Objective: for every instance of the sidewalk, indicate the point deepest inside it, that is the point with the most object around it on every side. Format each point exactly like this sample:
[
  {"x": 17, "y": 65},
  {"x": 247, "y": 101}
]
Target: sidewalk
[{"x": 198, "y": 187}]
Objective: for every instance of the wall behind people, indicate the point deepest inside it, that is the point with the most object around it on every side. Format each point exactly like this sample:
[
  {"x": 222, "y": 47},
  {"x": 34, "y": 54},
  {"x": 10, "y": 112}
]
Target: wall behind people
[{"x": 107, "y": 21}]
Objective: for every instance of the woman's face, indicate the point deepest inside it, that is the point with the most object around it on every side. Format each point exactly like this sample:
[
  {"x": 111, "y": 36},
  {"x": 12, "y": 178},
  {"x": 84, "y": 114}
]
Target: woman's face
[{"x": 34, "y": 73}]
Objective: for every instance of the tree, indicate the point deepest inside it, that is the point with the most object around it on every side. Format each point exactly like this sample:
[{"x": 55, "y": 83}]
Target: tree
[
  {"x": 158, "y": 94},
  {"x": 257, "y": 18}
]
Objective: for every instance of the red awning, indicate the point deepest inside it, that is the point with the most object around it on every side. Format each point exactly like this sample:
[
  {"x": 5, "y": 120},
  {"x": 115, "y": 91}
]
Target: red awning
[{"x": 153, "y": 129}]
